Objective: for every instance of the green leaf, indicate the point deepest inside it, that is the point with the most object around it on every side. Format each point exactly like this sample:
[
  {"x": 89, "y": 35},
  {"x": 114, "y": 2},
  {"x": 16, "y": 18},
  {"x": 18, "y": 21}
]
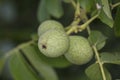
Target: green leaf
[
  {"x": 87, "y": 5},
  {"x": 97, "y": 38},
  {"x": 105, "y": 15},
  {"x": 106, "y": 8},
  {"x": 94, "y": 72},
  {"x": 78, "y": 76},
  {"x": 117, "y": 23},
  {"x": 19, "y": 70},
  {"x": 100, "y": 45},
  {"x": 105, "y": 19},
  {"x": 42, "y": 13},
  {"x": 59, "y": 62},
  {"x": 45, "y": 70},
  {"x": 113, "y": 58},
  {"x": 54, "y": 7},
  {"x": 83, "y": 76}
]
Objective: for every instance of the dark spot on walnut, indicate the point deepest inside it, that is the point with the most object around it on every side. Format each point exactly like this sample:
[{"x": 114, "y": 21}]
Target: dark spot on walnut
[{"x": 44, "y": 46}]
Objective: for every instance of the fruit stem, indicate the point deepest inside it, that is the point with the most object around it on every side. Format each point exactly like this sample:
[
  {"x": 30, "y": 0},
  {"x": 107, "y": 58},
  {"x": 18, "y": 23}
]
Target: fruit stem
[
  {"x": 84, "y": 26},
  {"x": 71, "y": 30},
  {"x": 100, "y": 63},
  {"x": 72, "y": 27}
]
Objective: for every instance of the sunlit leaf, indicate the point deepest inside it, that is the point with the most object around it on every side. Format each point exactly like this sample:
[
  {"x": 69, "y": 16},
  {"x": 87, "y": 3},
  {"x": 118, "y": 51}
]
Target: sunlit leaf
[
  {"x": 94, "y": 72},
  {"x": 117, "y": 23},
  {"x": 19, "y": 70},
  {"x": 42, "y": 13},
  {"x": 54, "y": 7},
  {"x": 45, "y": 70},
  {"x": 113, "y": 58},
  {"x": 98, "y": 39}
]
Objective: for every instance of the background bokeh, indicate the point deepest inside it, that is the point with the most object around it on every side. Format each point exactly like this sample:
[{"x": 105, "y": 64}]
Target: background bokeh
[{"x": 18, "y": 21}]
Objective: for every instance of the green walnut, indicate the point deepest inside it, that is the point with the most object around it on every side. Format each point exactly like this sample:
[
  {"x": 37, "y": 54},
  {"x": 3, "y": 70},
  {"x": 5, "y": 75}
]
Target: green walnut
[
  {"x": 53, "y": 43},
  {"x": 79, "y": 51},
  {"x": 49, "y": 24}
]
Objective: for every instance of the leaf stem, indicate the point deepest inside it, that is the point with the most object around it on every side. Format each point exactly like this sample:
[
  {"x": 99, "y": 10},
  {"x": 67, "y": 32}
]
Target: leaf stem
[
  {"x": 72, "y": 27},
  {"x": 115, "y": 5},
  {"x": 99, "y": 62},
  {"x": 95, "y": 49},
  {"x": 97, "y": 56}
]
